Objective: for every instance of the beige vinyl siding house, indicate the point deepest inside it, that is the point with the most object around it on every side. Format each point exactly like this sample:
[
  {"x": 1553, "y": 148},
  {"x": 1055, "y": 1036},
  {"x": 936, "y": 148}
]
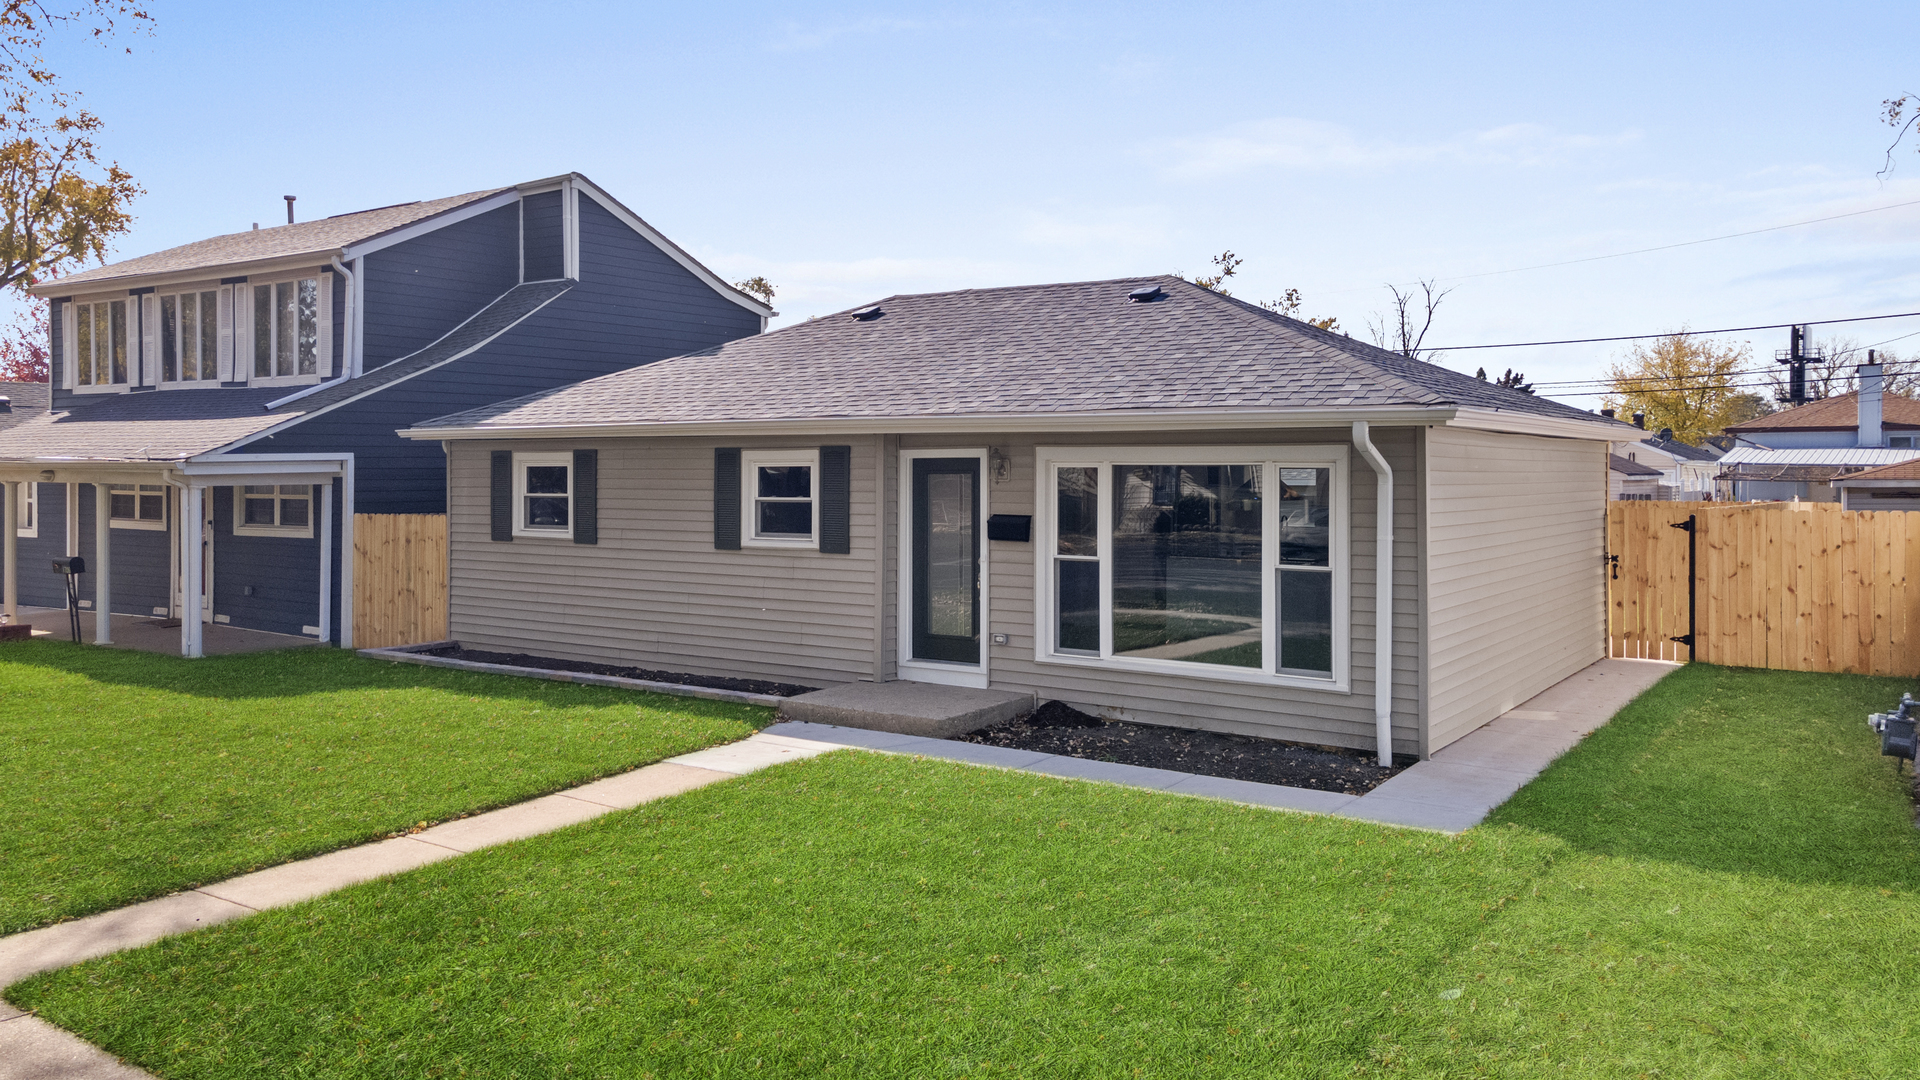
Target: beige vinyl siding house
[{"x": 799, "y": 507}]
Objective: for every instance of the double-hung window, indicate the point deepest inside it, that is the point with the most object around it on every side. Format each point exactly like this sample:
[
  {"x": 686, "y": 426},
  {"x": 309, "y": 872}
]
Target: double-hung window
[
  {"x": 543, "y": 494},
  {"x": 286, "y": 329},
  {"x": 1221, "y": 562},
  {"x": 274, "y": 510},
  {"x": 189, "y": 337},
  {"x": 142, "y": 506},
  {"x": 99, "y": 351},
  {"x": 780, "y": 494}
]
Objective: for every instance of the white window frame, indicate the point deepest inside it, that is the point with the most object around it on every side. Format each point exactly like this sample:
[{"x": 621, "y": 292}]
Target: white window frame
[
  {"x": 522, "y": 460},
  {"x": 751, "y": 462},
  {"x": 29, "y": 510},
  {"x": 71, "y": 346},
  {"x": 243, "y": 350},
  {"x": 158, "y": 361},
  {"x": 1270, "y": 460},
  {"x": 139, "y": 523},
  {"x": 242, "y": 528}
]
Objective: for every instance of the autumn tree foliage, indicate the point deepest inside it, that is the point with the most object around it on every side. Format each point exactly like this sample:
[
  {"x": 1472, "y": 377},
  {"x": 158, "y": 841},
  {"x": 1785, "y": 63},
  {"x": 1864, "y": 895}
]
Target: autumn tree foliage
[{"x": 1684, "y": 382}]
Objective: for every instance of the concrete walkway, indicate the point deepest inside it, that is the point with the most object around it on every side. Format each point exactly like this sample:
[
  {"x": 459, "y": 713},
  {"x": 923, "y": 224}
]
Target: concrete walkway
[
  {"x": 142, "y": 634},
  {"x": 1453, "y": 791}
]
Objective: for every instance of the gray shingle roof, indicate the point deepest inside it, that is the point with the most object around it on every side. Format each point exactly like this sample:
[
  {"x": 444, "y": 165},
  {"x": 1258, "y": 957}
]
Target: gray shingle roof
[
  {"x": 1630, "y": 468},
  {"x": 25, "y": 400},
  {"x": 1030, "y": 350},
  {"x": 315, "y": 237},
  {"x": 172, "y": 425}
]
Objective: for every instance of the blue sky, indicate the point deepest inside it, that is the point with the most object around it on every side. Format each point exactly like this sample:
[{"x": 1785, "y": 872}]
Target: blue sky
[{"x": 851, "y": 151}]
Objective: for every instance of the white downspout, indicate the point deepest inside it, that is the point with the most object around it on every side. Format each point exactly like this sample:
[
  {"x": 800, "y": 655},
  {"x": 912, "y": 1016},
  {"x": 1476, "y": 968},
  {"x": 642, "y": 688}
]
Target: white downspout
[
  {"x": 1382, "y": 593},
  {"x": 349, "y": 365}
]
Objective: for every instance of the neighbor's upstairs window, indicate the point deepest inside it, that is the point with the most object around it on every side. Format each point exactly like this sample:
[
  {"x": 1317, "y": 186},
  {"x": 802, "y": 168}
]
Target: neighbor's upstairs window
[
  {"x": 1216, "y": 561},
  {"x": 274, "y": 510},
  {"x": 100, "y": 343},
  {"x": 142, "y": 506},
  {"x": 781, "y": 493},
  {"x": 189, "y": 337},
  {"x": 286, "y": 329},
  {"x": 543, "y": 494}
]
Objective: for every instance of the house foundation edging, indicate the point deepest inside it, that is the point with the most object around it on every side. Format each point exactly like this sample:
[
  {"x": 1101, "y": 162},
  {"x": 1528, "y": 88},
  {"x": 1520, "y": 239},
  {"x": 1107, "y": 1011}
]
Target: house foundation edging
[{"x": 413, "y": 654}]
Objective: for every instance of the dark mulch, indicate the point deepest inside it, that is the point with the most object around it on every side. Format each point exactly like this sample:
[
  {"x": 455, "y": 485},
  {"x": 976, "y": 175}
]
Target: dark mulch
[
  {"x": 548, "y": 663},
  {"x": 1055, "y": 728}
]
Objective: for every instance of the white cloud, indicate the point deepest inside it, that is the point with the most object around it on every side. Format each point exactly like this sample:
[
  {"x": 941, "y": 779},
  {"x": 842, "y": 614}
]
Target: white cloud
[{"x": 1293, "y": 143}]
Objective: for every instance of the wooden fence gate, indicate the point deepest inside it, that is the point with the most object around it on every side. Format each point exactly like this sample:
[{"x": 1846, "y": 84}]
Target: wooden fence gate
[
  {"x": 1793, "y": 586},
  {"x": 399, "y": 579}
]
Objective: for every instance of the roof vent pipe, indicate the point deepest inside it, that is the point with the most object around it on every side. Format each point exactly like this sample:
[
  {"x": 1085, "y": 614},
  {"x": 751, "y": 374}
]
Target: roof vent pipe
[
  {"x": 289, "y": 199},
  {"x": 1608, "y": 413},
  {"x": 1869, "y": 401},
  {"x": 1640, "y": 420},
  {"x": 1382, "y": 593}
]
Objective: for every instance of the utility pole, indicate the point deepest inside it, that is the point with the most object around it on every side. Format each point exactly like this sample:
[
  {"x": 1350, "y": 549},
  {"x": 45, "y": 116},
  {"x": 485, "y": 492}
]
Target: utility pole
[{"x": 1797, "y": 355}]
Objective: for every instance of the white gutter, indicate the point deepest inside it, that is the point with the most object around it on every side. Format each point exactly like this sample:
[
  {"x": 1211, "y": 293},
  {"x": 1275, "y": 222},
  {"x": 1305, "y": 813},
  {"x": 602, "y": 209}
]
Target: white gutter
[
  {"x": 303, "y": 392},
  {"x": 349, "y": 362},
  {"x": 1382, "y": 593}
]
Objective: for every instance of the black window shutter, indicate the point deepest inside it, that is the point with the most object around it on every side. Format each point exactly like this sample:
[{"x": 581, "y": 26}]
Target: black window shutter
[
  {"x": 726, "y": 498},
  {"x": 503, "y": 495},
  {"x": 836, "y": 500},
  {"x": 586, "y": 496}
]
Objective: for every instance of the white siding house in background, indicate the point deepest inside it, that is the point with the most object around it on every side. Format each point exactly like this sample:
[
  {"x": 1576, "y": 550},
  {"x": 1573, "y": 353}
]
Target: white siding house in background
[
  {"x": 1144, "y": 499},
  {"x": 1798, "y": 453}
]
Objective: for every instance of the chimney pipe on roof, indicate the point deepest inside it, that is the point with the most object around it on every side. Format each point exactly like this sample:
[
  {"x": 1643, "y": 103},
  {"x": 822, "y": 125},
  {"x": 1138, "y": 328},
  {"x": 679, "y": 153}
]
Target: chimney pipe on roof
[
  {"x": 1869, "y": 402},
  {"x": 1640, "y": 420},
  {"x": 1608, "y": 413},
  {"x": 289, "y": 199}
]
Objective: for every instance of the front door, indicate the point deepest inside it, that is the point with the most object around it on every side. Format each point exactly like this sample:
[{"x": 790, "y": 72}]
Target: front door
[{"x": 946, "y": 559}]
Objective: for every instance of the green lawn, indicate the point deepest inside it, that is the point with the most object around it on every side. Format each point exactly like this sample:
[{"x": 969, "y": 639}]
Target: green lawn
[
  {"x": 1722, "y": 883},
  {"x": 125, "y": 775}
]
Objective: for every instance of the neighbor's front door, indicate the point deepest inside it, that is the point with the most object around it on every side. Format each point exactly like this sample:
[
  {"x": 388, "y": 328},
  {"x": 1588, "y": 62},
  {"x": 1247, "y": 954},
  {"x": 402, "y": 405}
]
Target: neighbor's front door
[{"x": 946, "y": 559}]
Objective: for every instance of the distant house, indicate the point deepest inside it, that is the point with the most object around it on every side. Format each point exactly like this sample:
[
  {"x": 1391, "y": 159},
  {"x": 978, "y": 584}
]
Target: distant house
[
  {"x": 1888, "y": 487},
  {"x": 1797, "y": 453},
  {"x": 1632, "y": 480},
  {"x": 20, "y": 402},
  {"x": 1685, "y": 472},
  {"x": 1140, "y": 497},
  {"x": 220, "y": 411}
]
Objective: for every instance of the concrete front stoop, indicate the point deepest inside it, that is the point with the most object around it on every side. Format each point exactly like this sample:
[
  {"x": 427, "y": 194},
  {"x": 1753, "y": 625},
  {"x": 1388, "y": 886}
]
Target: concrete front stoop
[{"x": 928, "y": 710}]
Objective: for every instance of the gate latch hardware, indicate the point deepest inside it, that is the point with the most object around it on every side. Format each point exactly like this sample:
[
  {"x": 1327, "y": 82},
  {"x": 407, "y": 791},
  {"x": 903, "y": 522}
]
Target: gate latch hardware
[
  {"x": 1614, "y": 562},
  {"x": 1687, "y": 527}
]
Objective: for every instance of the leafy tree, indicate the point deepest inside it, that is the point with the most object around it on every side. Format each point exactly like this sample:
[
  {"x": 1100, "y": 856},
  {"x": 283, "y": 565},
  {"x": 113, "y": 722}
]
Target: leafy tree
[
  {"x": 1745, "y": 407},
  {"x": 1512, "y": 380},
  {"x": 1683, "y": 382},
  {"x": 24, "y": 344},
  {"x": 756, "y": 286},
  {"x": 1226, "y": 264}
]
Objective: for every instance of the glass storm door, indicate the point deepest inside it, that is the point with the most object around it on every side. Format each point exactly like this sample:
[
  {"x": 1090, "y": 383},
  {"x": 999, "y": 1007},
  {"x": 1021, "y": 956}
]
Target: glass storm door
[{"x": 946, "y": 559}]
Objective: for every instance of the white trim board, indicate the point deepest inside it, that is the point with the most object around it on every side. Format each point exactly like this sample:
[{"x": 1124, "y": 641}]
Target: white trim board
[{"x": 673, "y": 251}]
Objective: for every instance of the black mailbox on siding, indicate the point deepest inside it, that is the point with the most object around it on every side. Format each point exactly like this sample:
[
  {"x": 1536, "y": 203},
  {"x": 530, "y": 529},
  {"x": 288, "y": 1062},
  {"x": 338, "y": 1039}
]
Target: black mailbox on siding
[
  {"x": 1017, "y": 528},
  {"x": 74, "y": 565}
]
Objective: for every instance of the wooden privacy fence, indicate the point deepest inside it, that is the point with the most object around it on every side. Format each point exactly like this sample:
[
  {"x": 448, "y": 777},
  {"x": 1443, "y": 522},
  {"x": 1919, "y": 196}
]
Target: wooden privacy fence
[
  {"x": 1794, "y": 586},
  {"x": 399, "y": 579}
]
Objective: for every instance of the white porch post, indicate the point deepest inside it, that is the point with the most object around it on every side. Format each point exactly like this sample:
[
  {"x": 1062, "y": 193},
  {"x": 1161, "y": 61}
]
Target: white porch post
[
  {"x": 193, "y": 513},
  {"x": 73, "y": 520},
  {"x": 346, "y": 555},
  {"x": 10, "y": 524},
  {"x": 102, "y": 566},
  {"x": 326, "y": 561}
]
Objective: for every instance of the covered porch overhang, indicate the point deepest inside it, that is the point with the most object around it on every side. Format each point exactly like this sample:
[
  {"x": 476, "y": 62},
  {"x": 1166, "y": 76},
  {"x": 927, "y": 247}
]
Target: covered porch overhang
[{"x": 190, "y": 479}]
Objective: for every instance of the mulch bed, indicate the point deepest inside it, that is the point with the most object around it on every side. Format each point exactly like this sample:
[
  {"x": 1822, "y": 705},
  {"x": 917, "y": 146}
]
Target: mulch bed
[
  {"x": 548, "y": 663},
  {"x": 1055, "y": 728}
]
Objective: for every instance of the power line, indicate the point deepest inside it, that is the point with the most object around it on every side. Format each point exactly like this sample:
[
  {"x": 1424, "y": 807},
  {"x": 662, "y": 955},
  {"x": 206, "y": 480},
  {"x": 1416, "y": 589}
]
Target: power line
[{"x": 1673, "y": 333}]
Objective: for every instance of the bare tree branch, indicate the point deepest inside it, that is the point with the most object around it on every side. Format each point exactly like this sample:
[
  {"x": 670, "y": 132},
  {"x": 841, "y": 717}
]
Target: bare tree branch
[{"x": 1403, "y": 329}]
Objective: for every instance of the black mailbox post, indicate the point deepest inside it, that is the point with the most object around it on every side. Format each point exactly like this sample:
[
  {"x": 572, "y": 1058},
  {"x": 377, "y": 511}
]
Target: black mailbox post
[{"x": 72, "y": 568}]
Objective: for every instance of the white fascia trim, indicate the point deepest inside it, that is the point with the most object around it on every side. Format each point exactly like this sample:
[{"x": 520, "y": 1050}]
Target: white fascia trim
[
  {"x": 105, "y": 288},
  {"x": 1843, "y": 482},
  {"x": 327, "y": 384},
  {"x": 1125, "y": 420},
  {"x": 430, "y": 224},
  {"x": 461, "y": 355},
  {"x": 1517, "y": 423},
  {"x": 673, "y": 251}
]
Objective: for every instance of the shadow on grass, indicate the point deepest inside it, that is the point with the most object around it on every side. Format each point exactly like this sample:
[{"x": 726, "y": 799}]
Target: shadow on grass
[
  {"x": 310, "y": 670},
  {"x": 1769, "y": 773}
]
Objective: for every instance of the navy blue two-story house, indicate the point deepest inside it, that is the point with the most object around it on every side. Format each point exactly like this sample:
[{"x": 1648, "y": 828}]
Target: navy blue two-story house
[{"x": 238, "y": 397}]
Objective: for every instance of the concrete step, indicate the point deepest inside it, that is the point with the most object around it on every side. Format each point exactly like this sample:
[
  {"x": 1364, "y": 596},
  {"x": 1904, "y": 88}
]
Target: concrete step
[{"x": 907, "y": 708}]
